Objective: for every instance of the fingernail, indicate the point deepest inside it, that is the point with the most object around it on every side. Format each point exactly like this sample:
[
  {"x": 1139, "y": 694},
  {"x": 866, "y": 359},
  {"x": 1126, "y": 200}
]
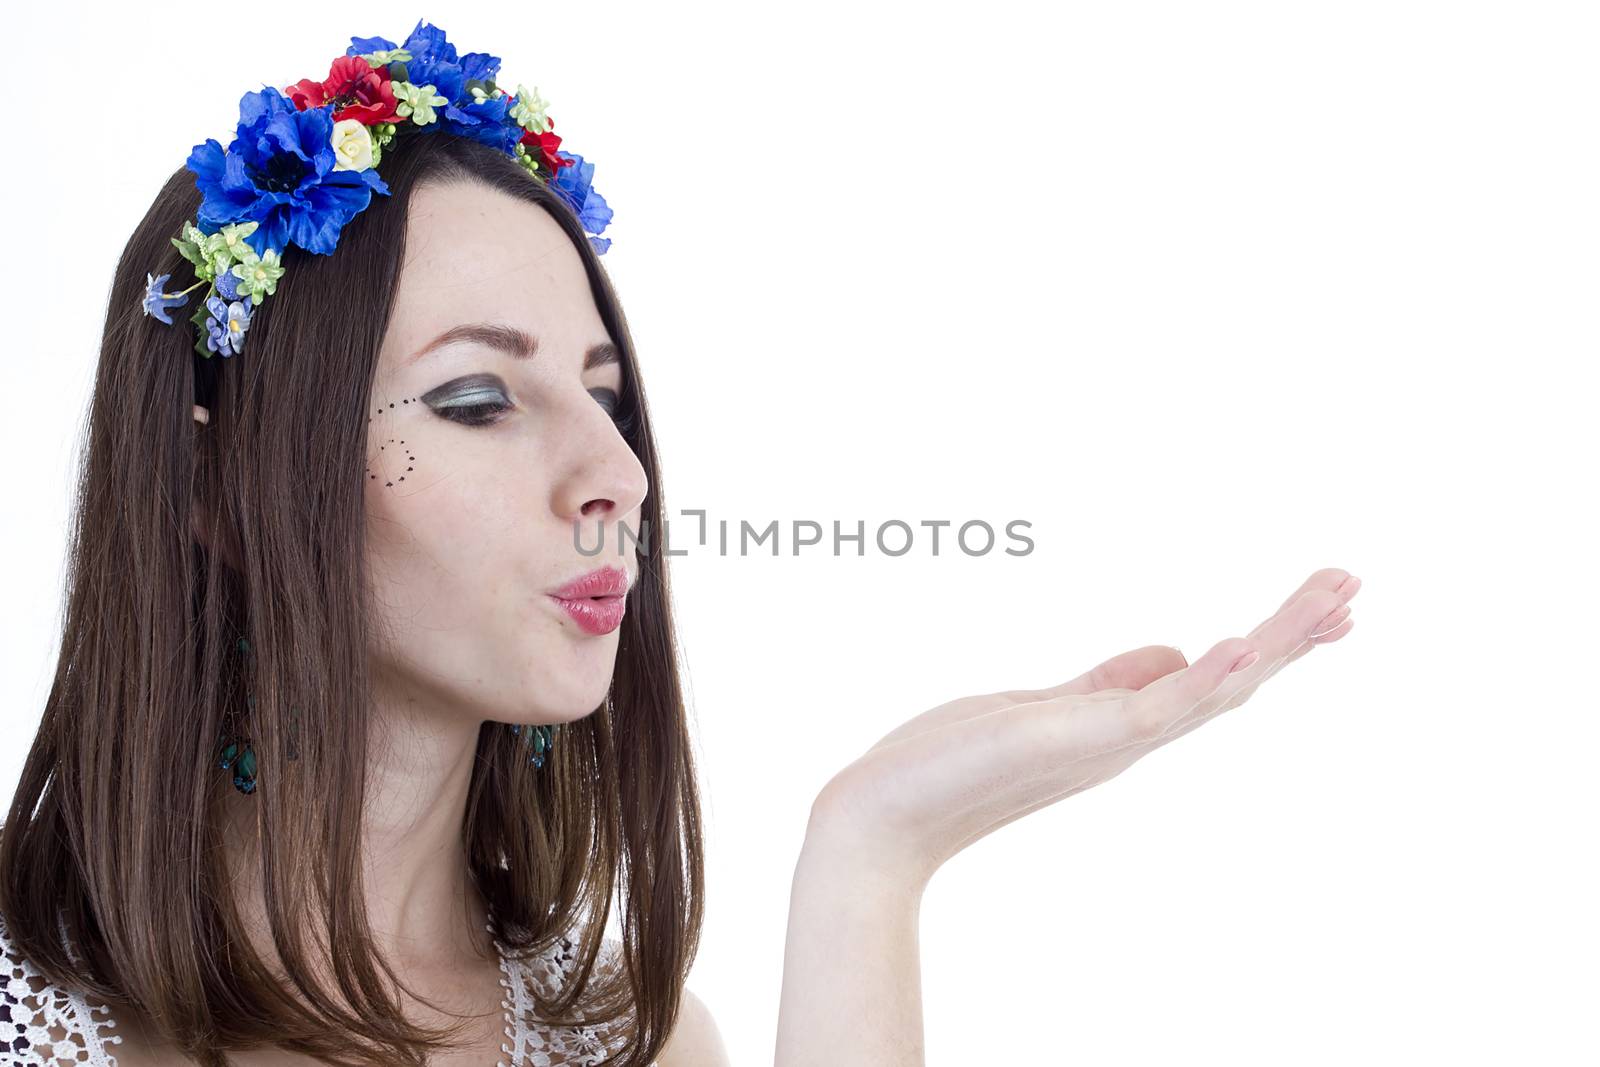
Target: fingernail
[
  {"x": 1244, "y": 661},
  {"x": 1332, "y": 619},
  {"x": 1348, "y": 586}
]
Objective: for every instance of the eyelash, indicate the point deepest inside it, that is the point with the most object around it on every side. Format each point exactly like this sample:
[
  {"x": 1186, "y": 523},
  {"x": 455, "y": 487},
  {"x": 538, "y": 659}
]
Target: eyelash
[{"x": 487, "y": 414}]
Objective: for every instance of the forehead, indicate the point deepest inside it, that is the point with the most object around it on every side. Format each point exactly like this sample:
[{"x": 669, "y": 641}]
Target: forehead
[{"x": 477, "y": 255}]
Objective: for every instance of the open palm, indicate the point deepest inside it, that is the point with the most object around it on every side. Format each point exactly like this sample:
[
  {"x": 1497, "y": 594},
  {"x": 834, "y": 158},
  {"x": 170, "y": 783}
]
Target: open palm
[{"x": 960, "y": 771}]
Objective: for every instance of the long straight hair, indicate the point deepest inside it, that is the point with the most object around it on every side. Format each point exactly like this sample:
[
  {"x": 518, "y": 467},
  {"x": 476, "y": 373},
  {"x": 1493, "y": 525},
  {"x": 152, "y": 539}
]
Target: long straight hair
[{"x": 113, "y": 866}]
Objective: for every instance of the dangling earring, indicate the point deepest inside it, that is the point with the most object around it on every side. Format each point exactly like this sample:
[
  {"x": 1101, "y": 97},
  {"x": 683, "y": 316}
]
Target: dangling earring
[
  {"x": 542, "y": 738},
  {"x": 236, "y": 753}
]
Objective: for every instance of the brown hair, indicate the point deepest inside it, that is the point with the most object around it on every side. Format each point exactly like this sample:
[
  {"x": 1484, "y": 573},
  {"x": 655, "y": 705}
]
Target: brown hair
[{"x": 113, "y": 829}]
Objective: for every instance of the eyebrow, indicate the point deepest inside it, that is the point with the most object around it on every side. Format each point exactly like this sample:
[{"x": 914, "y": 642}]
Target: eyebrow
[{"x": 515, "y": 342}]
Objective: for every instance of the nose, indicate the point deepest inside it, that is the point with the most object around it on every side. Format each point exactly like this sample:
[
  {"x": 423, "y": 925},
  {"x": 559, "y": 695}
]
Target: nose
[{"x": 604, "y": 482}]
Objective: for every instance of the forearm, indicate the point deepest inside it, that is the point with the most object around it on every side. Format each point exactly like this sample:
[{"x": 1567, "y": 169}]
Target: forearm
[{"x": 852, "y": 980}]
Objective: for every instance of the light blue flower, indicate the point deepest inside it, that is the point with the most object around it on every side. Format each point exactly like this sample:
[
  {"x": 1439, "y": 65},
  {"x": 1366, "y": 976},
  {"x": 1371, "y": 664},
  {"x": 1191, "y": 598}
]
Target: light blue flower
[
  {"x": 226, "y": 325},
  {"x": 156, "y": 302}
]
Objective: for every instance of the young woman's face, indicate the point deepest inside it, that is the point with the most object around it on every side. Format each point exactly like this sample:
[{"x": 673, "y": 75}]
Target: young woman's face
[{"x": 486, "y": 471}]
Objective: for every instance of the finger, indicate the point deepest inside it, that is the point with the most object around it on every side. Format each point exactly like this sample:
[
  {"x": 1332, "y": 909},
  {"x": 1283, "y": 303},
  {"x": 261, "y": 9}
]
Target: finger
[
  {"x": 1163, "y": 705},
  {"x": 1338, "y": 582},
  {"x": 1327, "y": 638},
  {"x": 1322, "y": 639},
  {"x": 1331, "y": 578},
  {"x": 1107, "y": 725},
  {"x": 1338, "y": 631},
  {"x": 1245, "y": 694},
  {"x": 1133, "y": 669},
  {"x": 1316, "y": 613},
  {"x": 1126, "y": 671},
  {"x": 1282, "y": 640},
  {"x": 1275, "y": 638}
]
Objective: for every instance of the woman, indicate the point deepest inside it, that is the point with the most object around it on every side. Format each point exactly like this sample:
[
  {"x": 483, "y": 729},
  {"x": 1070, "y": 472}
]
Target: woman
[{"x": 367, "y": 699}]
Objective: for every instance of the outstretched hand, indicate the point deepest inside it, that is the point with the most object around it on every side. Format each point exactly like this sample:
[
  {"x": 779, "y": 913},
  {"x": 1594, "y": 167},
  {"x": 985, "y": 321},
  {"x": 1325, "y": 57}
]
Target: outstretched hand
[{"x": 960, "y": 771}]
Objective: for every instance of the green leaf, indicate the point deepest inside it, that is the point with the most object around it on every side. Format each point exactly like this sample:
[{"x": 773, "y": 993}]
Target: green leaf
[
  {"x": 199, "y": 320},
  {"x": 191, "y": 245}
]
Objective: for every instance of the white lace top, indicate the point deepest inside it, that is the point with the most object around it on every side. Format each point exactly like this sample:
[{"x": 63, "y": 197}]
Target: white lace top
[{"x": 43, "y": 1025}]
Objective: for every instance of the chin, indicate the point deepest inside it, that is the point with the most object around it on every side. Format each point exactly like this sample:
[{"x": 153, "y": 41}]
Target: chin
[{"x": 572, "y": 700}]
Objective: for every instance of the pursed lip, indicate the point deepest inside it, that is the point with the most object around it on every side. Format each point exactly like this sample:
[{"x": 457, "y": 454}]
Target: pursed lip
[{"x": 601, "y": 582}]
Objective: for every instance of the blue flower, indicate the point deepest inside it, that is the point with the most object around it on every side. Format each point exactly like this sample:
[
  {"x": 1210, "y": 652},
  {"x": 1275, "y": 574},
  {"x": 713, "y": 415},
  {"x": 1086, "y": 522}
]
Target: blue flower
[
  {"x": 227, "y": 284},
  {"x": 226, "y": 325},
  {"x": 482, "y": 120},
  {"x": 360, "y": 46},
  {"x": 279, "y": 172},
  {"x": 572, "y": 184},
  {"x": 434, "y": 61},
  {"x": 156, "y": 302}
]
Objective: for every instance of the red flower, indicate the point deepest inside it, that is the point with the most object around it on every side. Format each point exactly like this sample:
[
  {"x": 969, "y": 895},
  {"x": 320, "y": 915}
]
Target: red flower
[
  {"x": 361, "y": 90},
  {"x": 547, "y": 143}
]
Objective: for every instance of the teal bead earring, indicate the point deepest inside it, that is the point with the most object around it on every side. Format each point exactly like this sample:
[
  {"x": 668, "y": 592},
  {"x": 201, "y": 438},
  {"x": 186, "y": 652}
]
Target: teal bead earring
[
  {"x": 540, "y": 737},
  {"x": 235, "y": 753}
]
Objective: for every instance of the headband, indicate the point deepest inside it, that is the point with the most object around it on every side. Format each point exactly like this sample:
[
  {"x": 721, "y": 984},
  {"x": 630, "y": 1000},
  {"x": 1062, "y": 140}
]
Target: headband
[{"x": 304, "y": 161}]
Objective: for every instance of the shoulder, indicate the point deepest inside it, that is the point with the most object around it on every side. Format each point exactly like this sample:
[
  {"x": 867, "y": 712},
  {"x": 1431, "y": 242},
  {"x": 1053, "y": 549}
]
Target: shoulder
[{"x": 695, "y": 1040}]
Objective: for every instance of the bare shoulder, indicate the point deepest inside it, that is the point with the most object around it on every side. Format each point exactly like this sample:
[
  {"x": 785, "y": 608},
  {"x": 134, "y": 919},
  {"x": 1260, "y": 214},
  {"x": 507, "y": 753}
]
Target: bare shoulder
[{"x": 695, "y": 1040}]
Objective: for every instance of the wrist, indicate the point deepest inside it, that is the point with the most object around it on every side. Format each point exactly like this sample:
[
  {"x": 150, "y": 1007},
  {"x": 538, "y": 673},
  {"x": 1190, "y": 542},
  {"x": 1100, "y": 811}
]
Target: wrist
[{"x": 839, "y": 854}]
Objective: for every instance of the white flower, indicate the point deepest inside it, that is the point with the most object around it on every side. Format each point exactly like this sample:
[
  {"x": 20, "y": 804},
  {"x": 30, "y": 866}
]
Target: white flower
[
  {"x": 352, "y": 145},
  {"x": 528, "y": 111}
]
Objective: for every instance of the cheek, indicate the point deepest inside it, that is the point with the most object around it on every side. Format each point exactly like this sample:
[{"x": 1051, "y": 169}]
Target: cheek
[
  {"x": 447, "y": 534},
  {"x": 420, "y": 512}
]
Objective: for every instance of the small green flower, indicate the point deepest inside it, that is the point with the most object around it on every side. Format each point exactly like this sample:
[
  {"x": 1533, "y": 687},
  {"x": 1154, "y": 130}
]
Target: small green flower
[
  {"x": 528, "y": 111},
  {"x": 227, "y": 246},
  {"x": 384, "y": 56},
  {"x": 258, "y": 276},
  {"x": 417, "y": 102}
]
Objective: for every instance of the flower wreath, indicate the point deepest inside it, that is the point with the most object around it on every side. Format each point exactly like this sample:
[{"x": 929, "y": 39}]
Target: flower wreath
[{"x": 304, "y": 161}]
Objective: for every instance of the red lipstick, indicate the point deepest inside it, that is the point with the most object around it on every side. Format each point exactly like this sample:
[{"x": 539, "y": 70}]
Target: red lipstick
[{"x": 597, "y": 600}]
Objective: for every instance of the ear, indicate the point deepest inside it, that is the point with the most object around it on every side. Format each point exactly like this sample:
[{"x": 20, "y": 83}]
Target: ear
[{"x": 201, "y": 415}]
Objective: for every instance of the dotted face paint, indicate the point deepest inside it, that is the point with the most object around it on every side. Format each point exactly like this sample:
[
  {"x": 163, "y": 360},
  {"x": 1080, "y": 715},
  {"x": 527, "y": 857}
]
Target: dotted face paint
[{"x": 393, "y": 446}]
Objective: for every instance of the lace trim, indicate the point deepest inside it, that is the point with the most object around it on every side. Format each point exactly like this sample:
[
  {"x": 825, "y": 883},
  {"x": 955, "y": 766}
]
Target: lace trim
[
  {"x": 42, "y": 1025},
  {"x": 554, "y": 1046}
]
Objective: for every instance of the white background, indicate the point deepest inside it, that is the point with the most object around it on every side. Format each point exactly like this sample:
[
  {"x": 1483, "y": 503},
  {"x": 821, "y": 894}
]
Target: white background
[{"x": 1212, "y": 295}]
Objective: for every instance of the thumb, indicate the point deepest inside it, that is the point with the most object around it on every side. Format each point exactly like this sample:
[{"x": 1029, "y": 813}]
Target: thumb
[{"x": 1133, "y": 669}]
